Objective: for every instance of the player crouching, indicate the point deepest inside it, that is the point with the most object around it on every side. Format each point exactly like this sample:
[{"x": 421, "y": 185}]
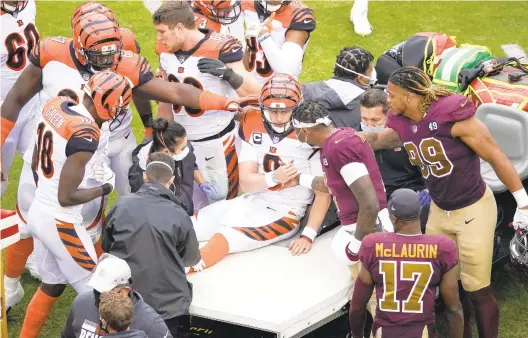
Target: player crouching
[
  {"x": 67, "y": 138},
  {"x": 270, "y": 160}
]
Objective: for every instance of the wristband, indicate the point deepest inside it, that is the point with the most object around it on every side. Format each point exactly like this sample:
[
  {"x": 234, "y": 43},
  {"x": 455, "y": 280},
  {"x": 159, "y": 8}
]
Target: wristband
[
  {"x": 309, "y": 233},
  {"x": 6, "y": 126},
  {"x": 264, "y": 37},
  {"x": 146, "y": 119},
  {"x": 107, "y": 188},
  {"x": 306, "y": 180},
  {"x": 234, "y": 80},
  {"x": 270, "y": 181},
  {"x": 521, "y": 197}
]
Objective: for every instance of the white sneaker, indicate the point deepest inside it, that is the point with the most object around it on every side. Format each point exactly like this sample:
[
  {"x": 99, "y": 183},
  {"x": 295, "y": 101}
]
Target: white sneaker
[
  {"x": 13, "y": 291},
  {"x": 359, "y": 17},
  {"x": 31, "y": 265}
]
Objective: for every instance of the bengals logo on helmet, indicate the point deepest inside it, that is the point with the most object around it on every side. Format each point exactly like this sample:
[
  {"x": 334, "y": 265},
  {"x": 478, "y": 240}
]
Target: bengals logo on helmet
[
  {"x": 89, "y": 8},
  {"x": 97, "y": 41},
  {"x": 111, "y": 93},
  {"x": 280, "y": 92}
]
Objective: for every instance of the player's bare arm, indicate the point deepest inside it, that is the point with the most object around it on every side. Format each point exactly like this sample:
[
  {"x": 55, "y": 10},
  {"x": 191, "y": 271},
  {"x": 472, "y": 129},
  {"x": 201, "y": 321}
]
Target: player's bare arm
[
  {"x": 476, "y": 135},
  {"x": 317, "y": 214},
  {"x": 387, "y": 138},
  {"x": 145, "y": 111},
  {"x": 363, "y": 190},
  {"x": 318, "y": 184},
  {"x": 27, "y": 85},
  {"x": 165, "y": 111},
  {"x": 454, "y": 313},
  {"x": 363, "y": 289},
  {"x": 71, "y": 177}
]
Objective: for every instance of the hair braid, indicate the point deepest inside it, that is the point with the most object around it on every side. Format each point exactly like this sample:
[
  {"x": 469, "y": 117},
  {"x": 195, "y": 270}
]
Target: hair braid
[
  {"x": 416, "y": 81},
  {"x": 353, "y": 58},
  {"x": 309, "y": 111}
]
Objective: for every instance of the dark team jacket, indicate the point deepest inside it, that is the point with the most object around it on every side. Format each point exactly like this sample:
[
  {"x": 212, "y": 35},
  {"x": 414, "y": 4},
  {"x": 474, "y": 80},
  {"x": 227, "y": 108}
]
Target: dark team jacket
[
  {"x": 340, "y": 96},
  {"x": 83, "y": 320},
  {"x": 184, "y": 172},
  {"x": 397, "y": 172},
  {"x": 168, "y": 244},
  {"x": 128, "y": 334}
]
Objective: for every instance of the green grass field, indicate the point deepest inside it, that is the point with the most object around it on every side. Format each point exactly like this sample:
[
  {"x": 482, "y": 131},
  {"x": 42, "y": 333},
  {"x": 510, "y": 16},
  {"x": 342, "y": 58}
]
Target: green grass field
[{"x": 481, "y": 23}]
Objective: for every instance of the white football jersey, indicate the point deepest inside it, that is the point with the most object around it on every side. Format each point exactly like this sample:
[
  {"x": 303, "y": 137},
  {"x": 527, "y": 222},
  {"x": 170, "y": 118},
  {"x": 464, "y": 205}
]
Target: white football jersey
[
  {"x": 270, "y": 150},
  {"x": 64, "y": 129},
  {"x": 19, "y": 36},
  {"x": 182, "y": 67},
  {"x": 293, "y": 16}
]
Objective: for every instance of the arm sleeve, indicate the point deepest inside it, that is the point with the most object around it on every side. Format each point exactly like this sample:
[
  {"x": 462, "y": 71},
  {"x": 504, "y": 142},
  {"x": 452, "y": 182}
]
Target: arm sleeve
[
  {"x": 231, "y": 51},
  {"x": 189, "y": 249},
  {"x": 247, "y": 153},
  {"x": 145, "y": 72},
  {"x": 85, "y": 139},
  {"x": 303, "y": 20},
  {"x": 286, "y": 59}
]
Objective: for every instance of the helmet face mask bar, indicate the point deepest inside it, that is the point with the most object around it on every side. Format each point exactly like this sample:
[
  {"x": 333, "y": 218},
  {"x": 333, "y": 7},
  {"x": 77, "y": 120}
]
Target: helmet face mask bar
[
  {"x": 108, "y": 56},
  {"x": 224, "y": 12},
  {"x": 14, "y": 9},
  {"x": 519, "y": 251},
  {"x": 272, "y": 8}
]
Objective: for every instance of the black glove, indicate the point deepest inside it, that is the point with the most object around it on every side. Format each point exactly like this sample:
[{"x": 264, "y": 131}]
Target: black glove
[{"x": 219, "y": 69}]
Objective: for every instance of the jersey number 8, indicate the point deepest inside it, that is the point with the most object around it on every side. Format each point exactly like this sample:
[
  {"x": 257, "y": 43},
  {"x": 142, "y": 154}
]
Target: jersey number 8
[
  {"x": 17, "y": 52},
  {"x": 44, "y": 151},
  {"x": 176, "y": 108}
]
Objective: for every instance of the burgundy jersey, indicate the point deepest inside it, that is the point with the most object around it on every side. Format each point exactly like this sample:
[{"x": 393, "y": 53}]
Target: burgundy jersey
[
  {"x": 406, "y": 271},
  {"x": 450, "y": 168},
  {"x": 345, "y": 146}
]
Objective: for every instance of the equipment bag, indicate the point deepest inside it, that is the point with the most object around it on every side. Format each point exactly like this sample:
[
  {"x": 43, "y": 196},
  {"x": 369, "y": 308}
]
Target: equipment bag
[
  {"x": 497, "y": 89},
  {"x": 454, "y": 60}
]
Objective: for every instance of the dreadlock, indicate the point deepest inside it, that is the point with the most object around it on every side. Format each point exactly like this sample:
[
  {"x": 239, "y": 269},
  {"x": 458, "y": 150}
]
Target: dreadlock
[
  {"x": 416, "y": 81},
  {"x": 354, "y": 58},
  {"x": 309, "y": 111}
]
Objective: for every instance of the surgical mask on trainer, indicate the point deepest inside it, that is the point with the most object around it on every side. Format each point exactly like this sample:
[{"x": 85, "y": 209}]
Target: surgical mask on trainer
[
  {"x": 364, "y": 127},
  {"x": 181, "y": 155},
  {"x": 372, "y": 79}
]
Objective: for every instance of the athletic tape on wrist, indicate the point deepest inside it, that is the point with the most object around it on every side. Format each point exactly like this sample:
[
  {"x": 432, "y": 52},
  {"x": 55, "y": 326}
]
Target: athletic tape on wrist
[
  {"x": 521, "y": 197},
  {"x": 309, "y": 233},
  {"x": 270, "y": 182},
  {"x": 306, "y": 180}
]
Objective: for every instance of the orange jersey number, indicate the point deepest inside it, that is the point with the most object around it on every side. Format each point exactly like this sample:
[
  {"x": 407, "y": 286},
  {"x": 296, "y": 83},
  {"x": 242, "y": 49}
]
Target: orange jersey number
[
  {"x": 263, "y": 67},
  {"x": 17, "y": 53},
  {"x": 176, "y": 108},
  {"x": 44, "y": 151}
]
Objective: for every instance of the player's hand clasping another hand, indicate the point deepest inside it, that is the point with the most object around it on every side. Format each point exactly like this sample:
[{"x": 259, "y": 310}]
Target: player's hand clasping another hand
[{"x": 285, "y": 173}]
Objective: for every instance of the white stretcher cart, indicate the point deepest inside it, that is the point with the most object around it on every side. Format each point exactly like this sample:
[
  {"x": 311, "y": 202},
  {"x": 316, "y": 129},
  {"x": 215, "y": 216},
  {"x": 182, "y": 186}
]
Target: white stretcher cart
[{"x": 271, "y": 291}]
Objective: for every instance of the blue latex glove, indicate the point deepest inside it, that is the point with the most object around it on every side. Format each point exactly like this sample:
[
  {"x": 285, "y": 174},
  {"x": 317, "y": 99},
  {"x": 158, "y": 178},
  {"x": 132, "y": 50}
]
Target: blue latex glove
[
  {"x": 211, "y": 190},
  {"x": 425, "y": 198}
]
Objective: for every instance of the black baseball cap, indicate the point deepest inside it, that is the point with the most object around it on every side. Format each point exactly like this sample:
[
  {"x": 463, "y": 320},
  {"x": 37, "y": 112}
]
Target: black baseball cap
[{"x": 405, "y": 204}]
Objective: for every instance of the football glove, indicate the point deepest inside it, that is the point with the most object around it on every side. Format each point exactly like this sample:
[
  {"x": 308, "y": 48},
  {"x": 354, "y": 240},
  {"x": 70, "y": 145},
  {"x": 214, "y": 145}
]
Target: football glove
[
  {"x": 520, "y": 219},
  {"x": 252, "y": 31},
  {"x": 103, "y": 174},
  {"x": 217, "y": 68},
  {"x": 211, "y": 190}
]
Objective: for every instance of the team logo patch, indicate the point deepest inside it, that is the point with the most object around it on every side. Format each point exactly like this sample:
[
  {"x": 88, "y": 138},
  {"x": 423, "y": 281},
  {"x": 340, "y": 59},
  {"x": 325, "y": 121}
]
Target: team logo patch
[
  {"x": 181, "y": 70},
  {"x": 257, "y": 138},
  {"x": 325, "y": 162},
  {"x": 414, "y": 129},
  {"x": 20, "y": 23}
]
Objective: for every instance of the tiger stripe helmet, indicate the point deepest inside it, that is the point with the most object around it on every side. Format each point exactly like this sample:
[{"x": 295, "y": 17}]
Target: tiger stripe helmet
[
  {"x": 89, "y": 8},
  {"x": 14, "y": 9},
  {"x": 281, "y": 93},
  {"x": 97, "y": 41},
  {"x": 111, "y": 93},
  {"x": 223, "y": 11}
]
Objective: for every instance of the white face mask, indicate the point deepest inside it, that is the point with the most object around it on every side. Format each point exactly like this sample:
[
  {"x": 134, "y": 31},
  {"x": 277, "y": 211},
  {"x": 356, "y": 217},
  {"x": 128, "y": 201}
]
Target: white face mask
[
  {"x": 372, "y": 79},
  {"x": 364, "y": 127},
  {"x": 181, "y": 155}
]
